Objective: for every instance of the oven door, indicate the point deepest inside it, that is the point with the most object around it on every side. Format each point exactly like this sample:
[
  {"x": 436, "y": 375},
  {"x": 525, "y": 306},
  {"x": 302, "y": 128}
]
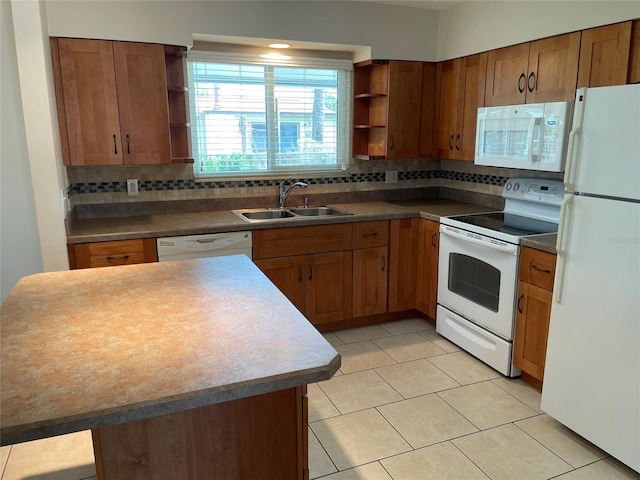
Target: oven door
[{"x": 477, "y": 278}]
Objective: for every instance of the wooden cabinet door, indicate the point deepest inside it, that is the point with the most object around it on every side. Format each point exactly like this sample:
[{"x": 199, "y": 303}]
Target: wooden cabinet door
[
  {"x": 553, "y": 69},
  {"x": 604, "y": 55},
  {"x": 506, "y": 77},
  {"x": 329, "y": 286},
  {"x": 403, "y": 122},
  {"x": 111, "y": 254},
  {"x": 403, "y": 271},
  {"x": 90, "y": 101},
  {"x": 287, "y": 273},
  {"x": 473, "y": 72},
  {"x": 370, "y": 266},
  {"x": 448, "y": 107},
  {"x": 142, "y": 98},
  {"x": 428, "y": 267},
  {"x": 532, "y": 329},
  {"x": 427, "y": 108},
  {"x": 634, "y": 57}
]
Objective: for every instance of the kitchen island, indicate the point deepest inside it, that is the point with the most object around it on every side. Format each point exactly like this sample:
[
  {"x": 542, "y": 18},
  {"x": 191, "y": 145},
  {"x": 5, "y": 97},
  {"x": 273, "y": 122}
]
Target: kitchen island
[{"x": 189, "y": 369}]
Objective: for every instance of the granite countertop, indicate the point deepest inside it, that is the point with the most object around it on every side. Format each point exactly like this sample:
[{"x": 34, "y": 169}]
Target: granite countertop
[
  {"x": 546, "y": 243},
  {"x": 88, "y": 348},
  {"x": 166, "y": 225}
]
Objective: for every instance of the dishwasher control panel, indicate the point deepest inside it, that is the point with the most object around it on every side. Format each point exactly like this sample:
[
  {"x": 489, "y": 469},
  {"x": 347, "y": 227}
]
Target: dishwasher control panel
[{"x": 202, "y": 246}]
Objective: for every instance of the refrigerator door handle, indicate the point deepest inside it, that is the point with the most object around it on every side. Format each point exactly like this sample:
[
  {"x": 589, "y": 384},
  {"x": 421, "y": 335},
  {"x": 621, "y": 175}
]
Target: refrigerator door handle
[
  {"x": 578, "y": 117},
  {"x": 561, "y": 250}
]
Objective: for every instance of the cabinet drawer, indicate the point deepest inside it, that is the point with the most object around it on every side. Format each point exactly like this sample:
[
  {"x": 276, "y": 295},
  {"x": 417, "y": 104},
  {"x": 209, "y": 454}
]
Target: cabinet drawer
[
  {"x": 122, "y": 252},
  {"x": 371, "y": 234},
  {"x": 283, "y": 242},
  {"x": 537, "y": 267}
]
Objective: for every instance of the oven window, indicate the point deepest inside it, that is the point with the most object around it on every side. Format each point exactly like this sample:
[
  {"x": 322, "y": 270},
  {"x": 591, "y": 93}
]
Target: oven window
[{"x": 474, "y": 280}]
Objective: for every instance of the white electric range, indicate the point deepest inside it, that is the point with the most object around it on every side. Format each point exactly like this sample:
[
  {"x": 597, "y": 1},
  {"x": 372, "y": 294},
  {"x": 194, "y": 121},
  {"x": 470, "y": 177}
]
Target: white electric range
[{"x": 478, "y": 269}]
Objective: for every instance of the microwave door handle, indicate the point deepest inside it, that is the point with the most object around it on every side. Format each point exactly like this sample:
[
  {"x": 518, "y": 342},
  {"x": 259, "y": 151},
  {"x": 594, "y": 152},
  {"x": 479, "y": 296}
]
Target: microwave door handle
[{"x": 535, "y": 122}]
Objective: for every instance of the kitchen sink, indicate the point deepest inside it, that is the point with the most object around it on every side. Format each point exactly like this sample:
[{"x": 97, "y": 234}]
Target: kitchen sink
[{"x": 270, "y": 214}]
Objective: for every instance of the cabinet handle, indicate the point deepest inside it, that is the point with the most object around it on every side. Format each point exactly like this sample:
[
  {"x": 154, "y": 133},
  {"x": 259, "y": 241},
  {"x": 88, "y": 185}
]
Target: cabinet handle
[
  {"x": 115, "y": 146},
  {"x": 128, "y": 147},
  {"x": 384, "y": 263},
  {"x": 520, "y": 298},
  {"x": 371, "y": 234},
  {"x": 532, "y": 76},
  {"x": 433, "y": 237},
  {"x": 543, "y": 270},
  {"x": 114, "y": 259},
  {"x": 451, "y": 142},
  {"x": 522, "y": 80},
  {"x": 310, "y": 272},
  {"x": 299, "y": 273},
  {"x": 458, "y": 142},
  {"x": 391, "y": 141}
]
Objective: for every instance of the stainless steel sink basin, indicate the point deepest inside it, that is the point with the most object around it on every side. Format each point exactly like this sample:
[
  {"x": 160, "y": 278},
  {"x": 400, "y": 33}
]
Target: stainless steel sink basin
[
  {"x": 291, "y": 213},
  {"x": 317, "y": 211},
  {"x": 266, "y": 214}
]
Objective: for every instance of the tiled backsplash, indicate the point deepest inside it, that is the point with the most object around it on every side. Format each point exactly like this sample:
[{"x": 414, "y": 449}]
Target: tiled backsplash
[{"x": 107, "y": 185}]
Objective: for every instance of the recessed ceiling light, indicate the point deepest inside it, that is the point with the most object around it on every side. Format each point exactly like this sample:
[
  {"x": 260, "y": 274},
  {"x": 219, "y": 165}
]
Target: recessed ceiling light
[{"x": 279, "y": 45}]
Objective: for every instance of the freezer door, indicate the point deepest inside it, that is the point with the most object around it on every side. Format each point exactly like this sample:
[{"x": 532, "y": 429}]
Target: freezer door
[
  {"x": 592, "y": 372},
  {"x": 604, "y": 143}
]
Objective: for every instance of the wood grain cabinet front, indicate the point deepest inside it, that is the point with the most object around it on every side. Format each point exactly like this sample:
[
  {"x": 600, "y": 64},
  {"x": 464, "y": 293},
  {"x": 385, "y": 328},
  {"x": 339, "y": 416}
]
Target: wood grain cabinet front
[
  {"x": 370, "y": 268},
  {"x": 604, "y": 55},
  {"x": 112, "y": 102},
  {"x": 428, "y": 247},
  {"x": 542, "y": 71},
  {"x": 537, "y": 271},
  {"x": 110, "y": 254},
  {"x": 312, "y": 266}
]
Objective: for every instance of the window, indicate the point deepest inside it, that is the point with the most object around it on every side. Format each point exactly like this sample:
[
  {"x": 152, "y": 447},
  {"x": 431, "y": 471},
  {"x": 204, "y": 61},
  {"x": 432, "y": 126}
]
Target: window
[{"x": 251, "y": 116}]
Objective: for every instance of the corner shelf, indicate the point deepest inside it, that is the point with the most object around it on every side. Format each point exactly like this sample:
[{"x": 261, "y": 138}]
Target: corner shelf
[{"x": 177, "y": 96}]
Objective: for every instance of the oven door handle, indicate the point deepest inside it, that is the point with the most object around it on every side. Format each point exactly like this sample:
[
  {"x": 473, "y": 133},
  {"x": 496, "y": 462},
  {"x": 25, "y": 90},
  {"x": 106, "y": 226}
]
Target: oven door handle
[{"x": 510, "y": 249}]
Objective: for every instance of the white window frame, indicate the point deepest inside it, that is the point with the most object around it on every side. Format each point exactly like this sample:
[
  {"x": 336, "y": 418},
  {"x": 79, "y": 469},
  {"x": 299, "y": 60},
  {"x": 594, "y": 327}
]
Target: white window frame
[{"x": 343, "y": 118}]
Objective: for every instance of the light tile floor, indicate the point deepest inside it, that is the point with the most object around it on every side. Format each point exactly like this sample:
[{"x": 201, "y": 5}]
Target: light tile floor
[{"x": 406, "y": 405}]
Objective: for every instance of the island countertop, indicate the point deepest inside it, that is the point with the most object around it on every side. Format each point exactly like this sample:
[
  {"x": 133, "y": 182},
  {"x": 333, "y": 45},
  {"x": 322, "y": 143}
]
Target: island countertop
[{"x": 88, "y": 348}]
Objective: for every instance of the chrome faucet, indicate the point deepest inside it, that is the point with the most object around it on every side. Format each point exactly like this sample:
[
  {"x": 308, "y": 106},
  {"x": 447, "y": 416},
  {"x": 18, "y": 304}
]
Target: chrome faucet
[{"x": 285, "y": 193}]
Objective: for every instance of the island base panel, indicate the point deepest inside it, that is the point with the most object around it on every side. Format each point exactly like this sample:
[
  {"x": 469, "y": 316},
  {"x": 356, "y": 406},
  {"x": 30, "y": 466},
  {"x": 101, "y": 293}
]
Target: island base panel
[{"x": 259, "y": 437}]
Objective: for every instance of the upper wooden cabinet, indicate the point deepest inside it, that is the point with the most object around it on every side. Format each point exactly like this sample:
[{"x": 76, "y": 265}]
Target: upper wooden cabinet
[
  {"x": 112, "y": 102},
  {"x": 604, "y": 55},
  {"x": 634, "y": 57},
  {"x": 542, "y": 71},
  {"x": 460, "y": 89},
  {"x": 387, "y": 109}
]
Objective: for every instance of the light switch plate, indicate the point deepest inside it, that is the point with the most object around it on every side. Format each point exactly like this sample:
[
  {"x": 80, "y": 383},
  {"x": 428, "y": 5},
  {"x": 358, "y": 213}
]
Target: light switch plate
[{"x": 132, "y": 186}]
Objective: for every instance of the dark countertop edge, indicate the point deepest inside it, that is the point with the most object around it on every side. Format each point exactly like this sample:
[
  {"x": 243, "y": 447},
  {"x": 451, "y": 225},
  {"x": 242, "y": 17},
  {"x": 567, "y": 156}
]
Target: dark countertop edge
[
  {"x": 26, "y": 433},
  {"x": 545, "y": 243}
]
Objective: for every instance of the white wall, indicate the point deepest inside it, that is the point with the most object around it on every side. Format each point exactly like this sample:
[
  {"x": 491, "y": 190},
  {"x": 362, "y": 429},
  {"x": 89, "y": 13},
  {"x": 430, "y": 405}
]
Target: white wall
[
  {"x": 19, "y": 238},
  {"x": 390, "y": 31},
  {"x": 48, "y": 176},
  {"x": 478, "y": 26}
]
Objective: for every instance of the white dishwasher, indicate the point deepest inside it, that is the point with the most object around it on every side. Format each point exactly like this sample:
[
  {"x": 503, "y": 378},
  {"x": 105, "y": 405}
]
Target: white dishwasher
[{"x": 202, "y": 246}]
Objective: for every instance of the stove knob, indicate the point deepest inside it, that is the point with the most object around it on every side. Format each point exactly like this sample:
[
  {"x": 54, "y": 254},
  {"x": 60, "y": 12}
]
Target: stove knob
[
  {"x": 508, "y": 186},
  {"x": 516, "y": 187}
]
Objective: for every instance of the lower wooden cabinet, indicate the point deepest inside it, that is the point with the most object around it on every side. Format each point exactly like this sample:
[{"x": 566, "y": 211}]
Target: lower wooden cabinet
[
  {"x": 312, "y": 266},
  {"x": 109, "y": 254},
  {"x": 533, "y": 312},
  {"x": 370, "y": 280},
  {"x": 429, "y": 238},
  {"x": 403, "y": 275}
]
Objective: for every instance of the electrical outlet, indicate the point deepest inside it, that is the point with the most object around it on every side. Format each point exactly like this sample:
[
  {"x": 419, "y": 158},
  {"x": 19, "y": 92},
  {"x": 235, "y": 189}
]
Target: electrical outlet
[
  {"x": 391, "y": 176},
  {"x": 132, "y": 186}
]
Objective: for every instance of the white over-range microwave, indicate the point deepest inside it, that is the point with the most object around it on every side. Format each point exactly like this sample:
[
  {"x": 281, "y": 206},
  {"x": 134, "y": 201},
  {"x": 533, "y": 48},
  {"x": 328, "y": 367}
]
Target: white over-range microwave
[{"x": 530, "y": 137}]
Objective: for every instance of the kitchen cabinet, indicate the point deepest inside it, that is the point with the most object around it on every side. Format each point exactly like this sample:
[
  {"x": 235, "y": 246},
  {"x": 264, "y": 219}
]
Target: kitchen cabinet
[
  {"x": 460, "y": 90},
  {"x": 541, "y": 71},
  {"x": 403, "y": 275},
  {"x": 370, "y": 267},
  {"x": 428, "y": 243},
  {"x": 604, "y": 55},
  {"x": 535, "y": 286},
  {"x": 109, "y": 254},
  {"x": 111, "y": 102},
  {"x": 634, "y": 57},
  {"x": 312, "y": 266},
  {"x": 178, "y": 99},
  {"x": 388, "y": 109}
]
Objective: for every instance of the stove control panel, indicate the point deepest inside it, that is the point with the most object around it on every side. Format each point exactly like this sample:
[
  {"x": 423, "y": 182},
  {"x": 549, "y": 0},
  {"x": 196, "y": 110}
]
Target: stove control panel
[{"x": 536, "y": 190}]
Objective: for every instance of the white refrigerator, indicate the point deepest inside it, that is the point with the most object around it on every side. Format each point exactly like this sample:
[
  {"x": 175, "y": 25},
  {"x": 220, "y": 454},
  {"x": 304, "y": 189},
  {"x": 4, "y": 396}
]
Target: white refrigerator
[{"x": 592, "y": 370}]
